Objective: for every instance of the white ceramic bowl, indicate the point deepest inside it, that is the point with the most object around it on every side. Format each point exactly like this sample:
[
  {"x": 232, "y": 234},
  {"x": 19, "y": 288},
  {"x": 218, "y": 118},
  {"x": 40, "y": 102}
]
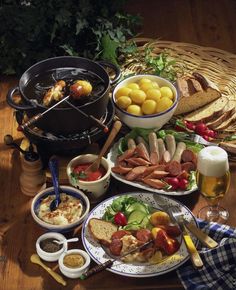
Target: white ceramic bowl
[
  {"x": 74, "y": 272},
  {"x": 146, "y": 121},
  {"x": 50, "y": 257},
  {"x": 65, "y": 189},
  {"x": 93, "y": 189}
]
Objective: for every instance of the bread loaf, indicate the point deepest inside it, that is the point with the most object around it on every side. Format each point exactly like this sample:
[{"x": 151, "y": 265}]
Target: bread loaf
[
  {"x": 195, "y": 92},
  {"x": 102, "y": 230}
]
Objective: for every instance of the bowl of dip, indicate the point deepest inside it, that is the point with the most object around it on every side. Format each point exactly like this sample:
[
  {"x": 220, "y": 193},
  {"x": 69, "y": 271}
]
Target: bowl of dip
[
  {"x": 70, "y": 213},
  {"x": 47, "y": 249},
  {"x": 94, "y": 184},
  {"x": 74, "y": 263}
]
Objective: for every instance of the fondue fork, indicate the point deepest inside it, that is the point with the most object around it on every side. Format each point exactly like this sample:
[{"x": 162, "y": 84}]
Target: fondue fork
[{"x": 37, "y": 117}]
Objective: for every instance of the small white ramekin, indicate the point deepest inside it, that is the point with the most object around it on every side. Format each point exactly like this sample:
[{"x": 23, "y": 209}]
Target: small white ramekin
[
  {"x": 74, "y": 272},
  {"x": 50, "y": 257}
]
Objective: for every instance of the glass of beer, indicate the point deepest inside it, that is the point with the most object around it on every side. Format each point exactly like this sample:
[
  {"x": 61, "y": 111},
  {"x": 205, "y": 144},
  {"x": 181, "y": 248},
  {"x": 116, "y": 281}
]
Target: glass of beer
[{"x": 213, "y": 180}]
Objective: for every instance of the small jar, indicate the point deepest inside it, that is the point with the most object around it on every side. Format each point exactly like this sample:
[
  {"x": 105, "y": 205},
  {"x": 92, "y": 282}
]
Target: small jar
[
  {"x": 45, "y": 249},
  {"x": 73, "y": 268}
]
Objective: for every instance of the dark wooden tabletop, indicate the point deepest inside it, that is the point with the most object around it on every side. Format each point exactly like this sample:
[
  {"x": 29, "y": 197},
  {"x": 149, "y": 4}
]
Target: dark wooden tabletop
[{"x": 208, "y": 23}]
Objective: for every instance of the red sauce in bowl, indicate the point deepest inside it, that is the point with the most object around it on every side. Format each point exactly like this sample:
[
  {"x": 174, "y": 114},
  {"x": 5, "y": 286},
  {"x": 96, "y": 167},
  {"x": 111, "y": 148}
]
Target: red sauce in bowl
[{"x": 79, "y": 171}]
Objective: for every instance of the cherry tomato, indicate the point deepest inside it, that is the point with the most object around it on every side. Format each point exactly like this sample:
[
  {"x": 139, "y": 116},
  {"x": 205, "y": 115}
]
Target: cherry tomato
[
  {"x": 183, "y": 183},
  {"x": 120, "y": 219},
  {"x": 191, "y": 126},
  {"x": 206, "y": 137},
  {"x": 201, "y": 129},
  {"x": 173, "y": 181}
]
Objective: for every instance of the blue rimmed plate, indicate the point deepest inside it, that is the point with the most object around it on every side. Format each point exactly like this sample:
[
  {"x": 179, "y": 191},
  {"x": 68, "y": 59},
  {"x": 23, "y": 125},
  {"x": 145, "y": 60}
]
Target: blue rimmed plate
[{"x": 99, "y": 255}]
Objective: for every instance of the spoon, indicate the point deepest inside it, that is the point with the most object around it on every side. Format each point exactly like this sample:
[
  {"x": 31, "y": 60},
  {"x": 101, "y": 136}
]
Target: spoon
[
  {"x": 36, "y": 260},
  {"x": 95, "y": 165},
  {"x": 64, "y": 241},
  {"x": 53, "y": 166}
]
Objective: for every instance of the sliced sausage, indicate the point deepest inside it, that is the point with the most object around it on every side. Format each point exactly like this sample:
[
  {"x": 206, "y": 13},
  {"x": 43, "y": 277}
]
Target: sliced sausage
[
  {"x": 116, "y": 247},
  {"x": 188, "y": 156},
  {"x": 135, "y": 173},
  {"x": 170, "y": 144},
  {"x": 142, "y": 151},
  {"x": 120, "y": 234},
  {"x": 127, "y": 154},
  {"x": 137, "y": 161},
  {"x": 174, "y": 168},
  {"x": 156, "y": 183},
  {"x": 188, "y": 166},
  {"x": 157, "y": 174},
  {"x": 144, "y": 235},
  {"x": 181, "y": 146},
  {"x": 121, "y": 170}
]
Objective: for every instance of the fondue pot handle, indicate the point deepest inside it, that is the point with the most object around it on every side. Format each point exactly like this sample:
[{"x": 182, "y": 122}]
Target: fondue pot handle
[
  {"x": 114, "y": 67},
  {"x": 12, "y": 104}
]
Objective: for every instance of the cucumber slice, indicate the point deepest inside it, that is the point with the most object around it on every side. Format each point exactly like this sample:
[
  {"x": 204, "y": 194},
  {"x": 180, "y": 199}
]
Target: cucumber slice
[
  {"x": 136, "y": 207},
  {"x": 136, "y": 216}
]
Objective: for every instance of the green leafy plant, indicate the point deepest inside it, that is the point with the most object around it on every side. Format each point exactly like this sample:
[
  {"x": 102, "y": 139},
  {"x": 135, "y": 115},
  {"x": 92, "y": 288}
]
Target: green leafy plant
[{"x": 32, "y": 30}]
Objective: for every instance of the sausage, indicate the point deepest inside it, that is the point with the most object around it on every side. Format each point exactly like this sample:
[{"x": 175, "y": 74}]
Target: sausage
[
  {"x": 156, "y": 183},
  {"x": 144, "y": 235},
  {"x": 181, "y": 146},
  {"x": 135, "y": 173},
  {"x": 184, "y": 174},
  {"x": 127, "y": 154},
  {"x": 188, "y": 156},
  {"x": 120, "y": 234},
  {"x": 142, "y": 151},
  {"x": 121, "y": 169},
  {"x": 174, "y": 168},
  {"x": 140, "y": 139},
  {"x": 157, "y": 174},
  {"x": 131, "y": 143},
  {"x": 151, "y": 169},
  {"x": 170, "y": 144},
  {"x": 161, "y": 148},
  {"x": 137, "y": 161},
  {"x": 166, "y": 157},
  {"x": 188, "y": 166},
  {"x": 154, "y": 155},
  {"x": 116, "y": 247}
]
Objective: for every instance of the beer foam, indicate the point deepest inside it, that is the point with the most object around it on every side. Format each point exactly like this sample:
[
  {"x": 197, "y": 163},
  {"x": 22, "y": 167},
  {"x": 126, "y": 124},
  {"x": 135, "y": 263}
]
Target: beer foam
[{"x": 212, "y": 161}]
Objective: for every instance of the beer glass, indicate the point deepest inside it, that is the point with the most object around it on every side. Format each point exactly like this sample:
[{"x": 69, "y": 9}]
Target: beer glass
[{"x": 213, "y": 180}]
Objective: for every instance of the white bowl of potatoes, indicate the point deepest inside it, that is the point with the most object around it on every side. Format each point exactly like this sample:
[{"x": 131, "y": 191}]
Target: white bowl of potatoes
[{"x": 145, "y": 101}]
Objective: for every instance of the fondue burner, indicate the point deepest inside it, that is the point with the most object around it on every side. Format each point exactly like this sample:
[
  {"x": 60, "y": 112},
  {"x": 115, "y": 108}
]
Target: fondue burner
[{"x": 49, "y": 144}]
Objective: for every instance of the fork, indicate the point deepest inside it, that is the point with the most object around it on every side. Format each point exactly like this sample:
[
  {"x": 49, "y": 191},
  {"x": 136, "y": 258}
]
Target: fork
[
  {"x": 193, "y": 253},
  {"x": 203, "y": 237},
  {"x": 200, "y": 140}
]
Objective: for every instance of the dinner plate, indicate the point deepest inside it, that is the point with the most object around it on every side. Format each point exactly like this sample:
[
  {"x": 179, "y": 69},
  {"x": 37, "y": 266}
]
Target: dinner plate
[
  {"x": 99, "y": 255},
  {"x": 112, "y": 156}
]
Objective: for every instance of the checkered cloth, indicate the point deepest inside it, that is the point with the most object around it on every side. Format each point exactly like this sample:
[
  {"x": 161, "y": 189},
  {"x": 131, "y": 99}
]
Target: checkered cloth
[{"x": 219, "y": 270}]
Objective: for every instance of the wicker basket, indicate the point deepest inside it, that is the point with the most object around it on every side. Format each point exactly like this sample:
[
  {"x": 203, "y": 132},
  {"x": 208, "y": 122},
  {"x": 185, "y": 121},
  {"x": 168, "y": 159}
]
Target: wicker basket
[{"x": 218, "y": 65}]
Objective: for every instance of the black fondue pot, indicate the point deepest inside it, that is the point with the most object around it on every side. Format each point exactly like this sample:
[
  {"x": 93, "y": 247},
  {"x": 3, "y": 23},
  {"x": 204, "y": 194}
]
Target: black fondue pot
[{"x": 65, "y": 119}]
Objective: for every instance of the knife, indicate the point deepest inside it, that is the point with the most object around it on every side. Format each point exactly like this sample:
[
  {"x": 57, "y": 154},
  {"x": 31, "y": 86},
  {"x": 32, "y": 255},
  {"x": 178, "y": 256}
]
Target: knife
[
  {"x": 108, "y": 263},
  {"x": 193, "y": 253}
]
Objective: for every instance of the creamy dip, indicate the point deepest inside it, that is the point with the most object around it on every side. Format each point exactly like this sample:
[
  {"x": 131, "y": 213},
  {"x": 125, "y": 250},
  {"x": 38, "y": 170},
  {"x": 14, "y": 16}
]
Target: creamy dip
[{"x": 69, "y": 210}]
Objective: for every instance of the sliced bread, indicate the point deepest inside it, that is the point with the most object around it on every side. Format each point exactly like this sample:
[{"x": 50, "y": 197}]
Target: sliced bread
[
  {"x": 195, "y": 91},
  {"x": 102, "y": 230},
  {"x": 226, "y": 123},
  {"x": 209, "y": 111},
  {"x": 228, "y": 111}
]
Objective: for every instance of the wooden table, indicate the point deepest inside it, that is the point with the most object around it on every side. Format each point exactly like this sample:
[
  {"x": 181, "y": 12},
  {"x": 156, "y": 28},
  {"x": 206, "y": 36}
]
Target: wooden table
[{"x": 18, "y": 243}]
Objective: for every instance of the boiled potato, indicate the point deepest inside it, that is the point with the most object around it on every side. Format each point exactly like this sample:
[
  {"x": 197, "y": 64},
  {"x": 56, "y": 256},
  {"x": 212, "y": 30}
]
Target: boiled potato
[
  {"x": 137, "y": 96},
  {"x": 164, "y": 104},
  {"x": 167, "y": 92},
  {"x": 144, "y": 80},
  {"x": 159, "y": 218},
  {"x": 133, "y": 86},
  {"x": 153, "y": 94},
  {"x": 86, "y": 87},
  {"x": 156, "y": 258},
  {"x": 154, "y": 231},
  {"x": 124, "y": 91},
  {"x": 155, "y": 85},
  {"x": 123, "y": 102},
  {"x": 134, "y": 110},
  {"x": 149, "y": 107},
  {"x": 146, "y": 86}
]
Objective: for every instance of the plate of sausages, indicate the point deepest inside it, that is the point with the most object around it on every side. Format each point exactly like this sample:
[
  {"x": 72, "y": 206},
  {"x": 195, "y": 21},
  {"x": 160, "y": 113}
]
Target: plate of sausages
[{"x": 159, "y": 165}]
